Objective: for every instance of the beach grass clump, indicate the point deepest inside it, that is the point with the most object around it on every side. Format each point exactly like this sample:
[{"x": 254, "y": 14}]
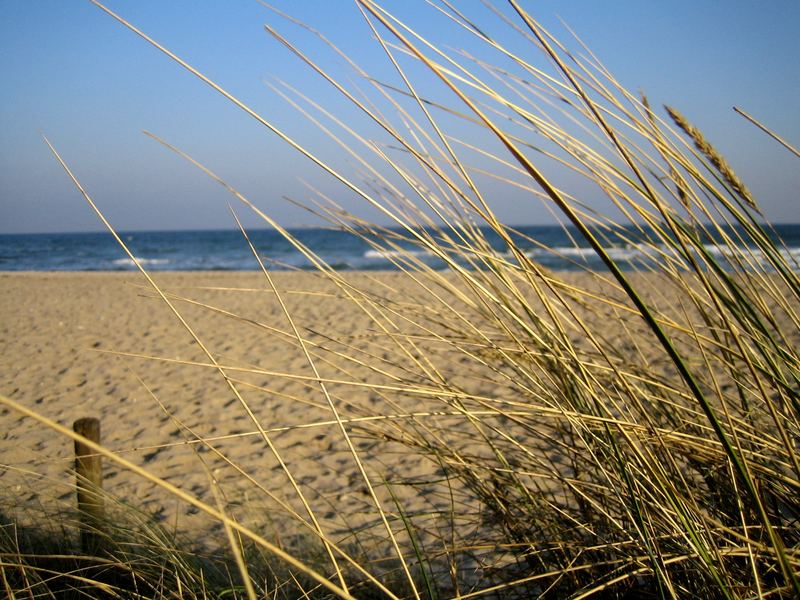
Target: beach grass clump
[
  {"x": 136, "y": 557},
  {"x": 629, "y": 428}
]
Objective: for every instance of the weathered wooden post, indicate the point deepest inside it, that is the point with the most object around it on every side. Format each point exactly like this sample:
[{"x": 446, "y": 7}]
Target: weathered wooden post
[{"x": 89, "y": 480}]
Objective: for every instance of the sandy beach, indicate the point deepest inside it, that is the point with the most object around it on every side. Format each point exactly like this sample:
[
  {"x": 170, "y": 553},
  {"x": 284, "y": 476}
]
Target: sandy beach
[
  {"x": 105, "y": 345},
  {"x": 62, "y": 335}
]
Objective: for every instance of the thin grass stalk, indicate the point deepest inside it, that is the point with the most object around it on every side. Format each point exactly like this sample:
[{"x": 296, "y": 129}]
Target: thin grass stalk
[{"x": 768, "y": 131}]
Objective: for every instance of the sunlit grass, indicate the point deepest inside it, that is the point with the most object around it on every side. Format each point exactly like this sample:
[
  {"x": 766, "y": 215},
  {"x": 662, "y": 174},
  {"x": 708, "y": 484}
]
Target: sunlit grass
[{"x": 630, "y": 429}]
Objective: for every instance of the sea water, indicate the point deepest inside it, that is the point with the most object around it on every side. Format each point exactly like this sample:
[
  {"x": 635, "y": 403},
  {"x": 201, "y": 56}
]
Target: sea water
[{"x": 551, "y": 246}]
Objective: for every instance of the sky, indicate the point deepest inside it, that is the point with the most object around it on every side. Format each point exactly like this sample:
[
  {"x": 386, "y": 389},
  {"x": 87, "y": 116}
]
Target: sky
[{"x": 72, "y": 73}]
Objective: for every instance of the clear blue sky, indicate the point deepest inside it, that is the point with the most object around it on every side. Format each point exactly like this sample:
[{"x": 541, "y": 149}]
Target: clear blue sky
[{"x": 71, "y": 72}]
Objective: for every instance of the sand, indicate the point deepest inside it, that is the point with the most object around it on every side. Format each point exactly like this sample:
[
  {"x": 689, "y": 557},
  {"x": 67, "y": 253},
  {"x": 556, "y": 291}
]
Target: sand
[
  {"x": 60, "y": 335},
  {"x": 67, "y": 342}
]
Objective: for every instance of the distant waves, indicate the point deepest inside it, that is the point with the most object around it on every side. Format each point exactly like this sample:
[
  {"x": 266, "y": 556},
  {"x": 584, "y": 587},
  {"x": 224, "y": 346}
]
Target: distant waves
[{"x": 550, "y": 246}]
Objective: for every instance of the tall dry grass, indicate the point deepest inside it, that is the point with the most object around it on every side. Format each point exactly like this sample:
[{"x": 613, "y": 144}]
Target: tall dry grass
[{"x": 631, "y": 430}]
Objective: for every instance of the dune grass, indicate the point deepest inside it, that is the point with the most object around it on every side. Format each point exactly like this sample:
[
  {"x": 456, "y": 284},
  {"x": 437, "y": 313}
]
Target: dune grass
[{"x": 631, "y": 430}]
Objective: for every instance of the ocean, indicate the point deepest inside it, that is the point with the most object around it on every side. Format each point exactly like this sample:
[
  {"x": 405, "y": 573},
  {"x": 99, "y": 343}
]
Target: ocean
[{"x": 228, "y": 251}]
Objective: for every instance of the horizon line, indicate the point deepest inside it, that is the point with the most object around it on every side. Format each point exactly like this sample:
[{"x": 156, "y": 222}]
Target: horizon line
[{"x": 303, "y": 227}]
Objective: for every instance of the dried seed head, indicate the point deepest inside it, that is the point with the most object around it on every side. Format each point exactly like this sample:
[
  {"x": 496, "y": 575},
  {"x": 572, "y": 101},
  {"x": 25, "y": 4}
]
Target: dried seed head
[{"x": 703, "y": 145}]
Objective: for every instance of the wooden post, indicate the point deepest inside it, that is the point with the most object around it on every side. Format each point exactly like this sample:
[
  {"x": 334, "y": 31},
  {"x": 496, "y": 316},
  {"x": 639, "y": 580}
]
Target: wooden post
[{"x": 89, "y": 480}]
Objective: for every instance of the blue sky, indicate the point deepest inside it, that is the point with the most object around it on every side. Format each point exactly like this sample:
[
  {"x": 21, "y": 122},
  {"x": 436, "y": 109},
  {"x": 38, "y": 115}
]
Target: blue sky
[{"x": 71, "y": 72}]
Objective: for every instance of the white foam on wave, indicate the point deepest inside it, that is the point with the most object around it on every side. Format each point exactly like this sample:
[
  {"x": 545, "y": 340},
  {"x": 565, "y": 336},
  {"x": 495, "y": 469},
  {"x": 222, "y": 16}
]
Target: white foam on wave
[
  {"x": 627, "y": 253},
  {"x": 392, "y": 254},
  {"x": 791, "y": 254},
  {"x": 725, "y": 250},
  {"x": 720, "y": 252},
  {"x": 621, "y": 253},
  {"x": 142, "y": 261}
]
